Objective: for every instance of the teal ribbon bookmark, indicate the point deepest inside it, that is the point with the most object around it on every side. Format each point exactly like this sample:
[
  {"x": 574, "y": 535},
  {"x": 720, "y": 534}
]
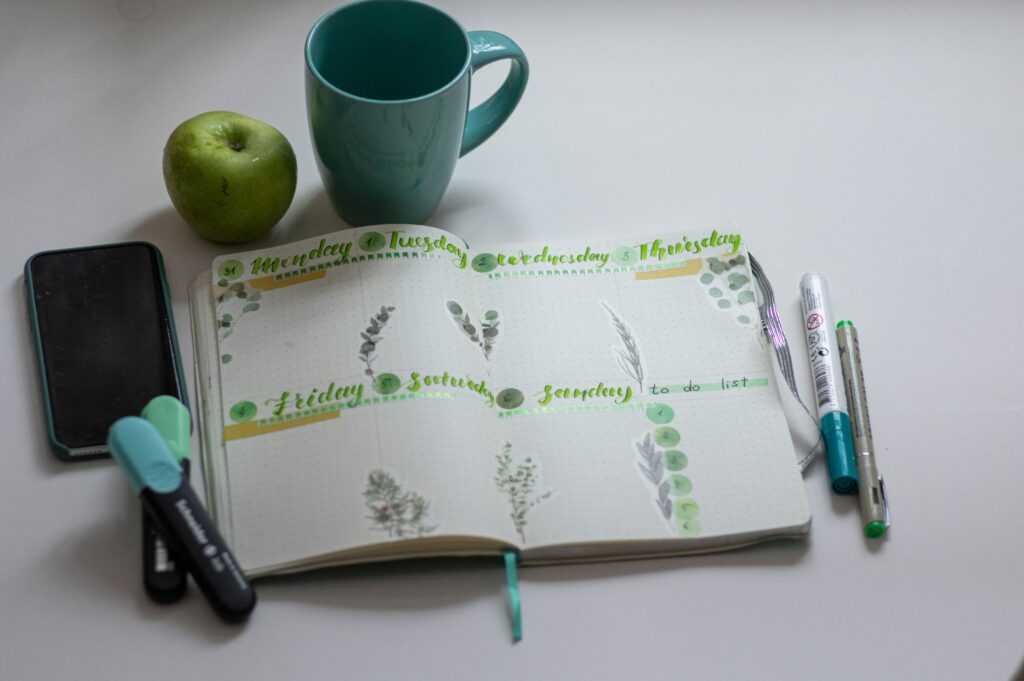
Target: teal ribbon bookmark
[{"x": 511, "y": 558}]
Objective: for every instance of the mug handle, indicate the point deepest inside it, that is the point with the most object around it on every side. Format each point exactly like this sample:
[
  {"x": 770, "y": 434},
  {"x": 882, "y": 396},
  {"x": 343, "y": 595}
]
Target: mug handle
[{"x": 484, "y": 120}]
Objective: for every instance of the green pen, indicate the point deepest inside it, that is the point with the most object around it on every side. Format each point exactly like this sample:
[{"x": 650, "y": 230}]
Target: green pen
[{"x": 874, "y": 506}]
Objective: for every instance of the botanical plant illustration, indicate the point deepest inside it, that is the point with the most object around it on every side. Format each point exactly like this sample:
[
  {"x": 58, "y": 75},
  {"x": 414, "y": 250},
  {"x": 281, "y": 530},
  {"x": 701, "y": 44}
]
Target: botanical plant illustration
[
  {"x": 729, "y": 287},
  {"x": 517, "y": 481},
  {"x": 393, "y": 510},
  {"x": 245, "y": 297},
  {"x": 488, "y": 332},
  {"x": 652, "y": 466},
  {"x": 628, "y": 356},
  {"x": 372, "y": 336},
  {"x": 660, "y": 465}
]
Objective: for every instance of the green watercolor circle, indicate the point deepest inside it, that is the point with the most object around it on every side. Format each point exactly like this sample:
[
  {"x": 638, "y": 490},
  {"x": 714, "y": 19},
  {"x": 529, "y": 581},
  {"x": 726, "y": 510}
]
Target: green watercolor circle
[
  {"x": 510, "y": 398},
  {"x": 230, "y": 270},
  {"x": 660, "y": 413},
  {"x": 385, "y": 384},
  {"x": 715, "y": 292},
  {"x": 666, "y": 436},
  {"x": 485, "y": 262},
  {"x": 724, "y": 304},
  {"x": 679, "y": 485},
  {"x": 707, "y": 278},
  {"x": 743, "y": 319},
  {"x": 685, "y": 509},
  {"x": 625, "y": 256},
  {"x": 745, "y": 297},
  {"x": 242, "y": 412},
  {"x": 675, "y": 460},
  {"x": 372, "y": 241},
  {"x": 687, "y": 527}
]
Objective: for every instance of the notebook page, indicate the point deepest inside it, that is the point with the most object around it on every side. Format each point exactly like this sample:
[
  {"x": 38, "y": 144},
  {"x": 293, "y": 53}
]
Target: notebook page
[
  {"x": 648, "y": 408},
  {"x": 351, "y": 416}
]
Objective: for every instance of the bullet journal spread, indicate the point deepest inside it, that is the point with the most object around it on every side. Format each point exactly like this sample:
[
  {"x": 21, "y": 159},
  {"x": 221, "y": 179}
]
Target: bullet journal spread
[{"x": 391, "y": 392}]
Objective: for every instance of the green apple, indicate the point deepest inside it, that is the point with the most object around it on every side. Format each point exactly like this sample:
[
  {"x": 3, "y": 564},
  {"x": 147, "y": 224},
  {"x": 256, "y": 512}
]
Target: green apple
[{"x": 230, "y": 176}]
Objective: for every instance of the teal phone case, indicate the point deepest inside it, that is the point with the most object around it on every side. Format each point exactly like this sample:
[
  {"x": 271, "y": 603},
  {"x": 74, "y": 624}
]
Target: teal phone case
[{"x": 61, "y": 450}]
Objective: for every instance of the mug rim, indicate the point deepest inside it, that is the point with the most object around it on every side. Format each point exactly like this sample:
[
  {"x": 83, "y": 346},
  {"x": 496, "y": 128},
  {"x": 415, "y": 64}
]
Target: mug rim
[{"x": 311, "y": 68}]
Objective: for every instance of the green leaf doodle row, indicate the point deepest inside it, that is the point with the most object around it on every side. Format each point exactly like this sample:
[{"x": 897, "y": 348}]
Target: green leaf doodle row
[
  {"x": 729, "y": 287},
  {"x": 234, "y": 295},
  {"x": 660, "y": 464}
]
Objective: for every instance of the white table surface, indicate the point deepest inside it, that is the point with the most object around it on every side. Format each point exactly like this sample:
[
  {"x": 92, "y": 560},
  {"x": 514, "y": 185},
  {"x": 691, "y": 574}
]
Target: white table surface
[{"x": 880, "y": 143}]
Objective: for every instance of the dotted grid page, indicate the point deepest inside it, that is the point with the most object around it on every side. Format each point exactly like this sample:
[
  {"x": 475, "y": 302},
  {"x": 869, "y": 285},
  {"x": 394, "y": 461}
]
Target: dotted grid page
[
  {"x": 354, "y": 413},
  {"x": 646, "y": 401}
]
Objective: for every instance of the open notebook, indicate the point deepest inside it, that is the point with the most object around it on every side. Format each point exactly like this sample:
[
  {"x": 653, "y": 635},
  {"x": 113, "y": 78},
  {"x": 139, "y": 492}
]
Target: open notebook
[{"x": 387, "y": 392}]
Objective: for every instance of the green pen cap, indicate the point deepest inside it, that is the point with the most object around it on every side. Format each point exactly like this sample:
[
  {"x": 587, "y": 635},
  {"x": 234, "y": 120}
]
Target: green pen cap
[
  {"x": 874, "y": 529},
  {"x": 171, "y": 419},
  {"x": 839, "y": 457}
]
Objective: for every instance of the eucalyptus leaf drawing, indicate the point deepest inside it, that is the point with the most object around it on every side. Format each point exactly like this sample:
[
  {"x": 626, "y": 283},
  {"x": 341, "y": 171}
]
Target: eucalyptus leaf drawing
[
  {"x": 397, "y": 512},
  {"x": 729, "y": 287},
  {"x": 628, "y": 355},
  {"x": 372, "y": 337},
  {"x": 484, "y": 333},
  {"x": 517, "y": 480},
  {"x": 238, "y": 297}
]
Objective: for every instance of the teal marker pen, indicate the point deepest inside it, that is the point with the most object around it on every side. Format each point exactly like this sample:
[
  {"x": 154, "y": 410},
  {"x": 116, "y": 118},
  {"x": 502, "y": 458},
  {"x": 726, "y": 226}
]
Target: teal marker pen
[
  {"x": 823, "y": 351},
  {"x": 158, "y": 479},
  {"x": 163, "y": 573}
]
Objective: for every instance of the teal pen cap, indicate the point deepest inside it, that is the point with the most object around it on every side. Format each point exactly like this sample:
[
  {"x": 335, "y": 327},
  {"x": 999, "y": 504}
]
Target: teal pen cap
[
  {"x": 842, "y": 467},
  {"x": 144, "y": 456}
]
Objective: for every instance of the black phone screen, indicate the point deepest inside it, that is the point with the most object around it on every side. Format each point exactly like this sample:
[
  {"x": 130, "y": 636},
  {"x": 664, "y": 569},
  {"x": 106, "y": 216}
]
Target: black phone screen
[{"x": 106, "y": 337}]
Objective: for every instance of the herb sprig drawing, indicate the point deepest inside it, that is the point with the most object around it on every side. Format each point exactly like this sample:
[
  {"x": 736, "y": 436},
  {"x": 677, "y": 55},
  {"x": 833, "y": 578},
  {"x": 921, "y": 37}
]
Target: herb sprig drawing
[
  {"x": 628, "y": 355},
  {"x": 518, "y": 480},
  {"x": 231, "y": 296},
  {"x": 486, "y": 336},
  {"x": 372, "y": 336},
  {"x": 393, "y": 510},
  {"x": 660, "y": 463}
]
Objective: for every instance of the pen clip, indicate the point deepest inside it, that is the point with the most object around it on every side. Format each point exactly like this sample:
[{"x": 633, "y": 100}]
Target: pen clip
[{"x": 885, "y": 501}]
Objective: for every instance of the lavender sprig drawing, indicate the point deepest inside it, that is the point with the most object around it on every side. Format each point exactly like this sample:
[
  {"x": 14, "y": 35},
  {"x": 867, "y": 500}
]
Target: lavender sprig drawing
[
  {"x": 517, "y": 481},
  {"x": 486, "y": 336},
  {"x": 628, "y": 356},
  {"x": 372, "y": 336},
  {"x": 652, "y": 465},
  {"x": 393, "y": 510},
  {"x": 661, "y": 464}
]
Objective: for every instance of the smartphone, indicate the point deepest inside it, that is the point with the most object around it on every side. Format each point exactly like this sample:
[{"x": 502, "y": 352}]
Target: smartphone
[{"x": 104, "y": 340}]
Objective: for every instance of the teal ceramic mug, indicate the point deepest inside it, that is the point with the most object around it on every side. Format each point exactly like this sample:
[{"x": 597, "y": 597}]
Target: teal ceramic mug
[{"x": 387, "y": 92}]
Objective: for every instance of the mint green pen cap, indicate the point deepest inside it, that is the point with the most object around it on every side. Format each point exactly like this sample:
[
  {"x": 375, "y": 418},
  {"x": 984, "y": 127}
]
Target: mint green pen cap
[
  {"x": 171, "y": 419},
  {"x": 839, "y": 456}
]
